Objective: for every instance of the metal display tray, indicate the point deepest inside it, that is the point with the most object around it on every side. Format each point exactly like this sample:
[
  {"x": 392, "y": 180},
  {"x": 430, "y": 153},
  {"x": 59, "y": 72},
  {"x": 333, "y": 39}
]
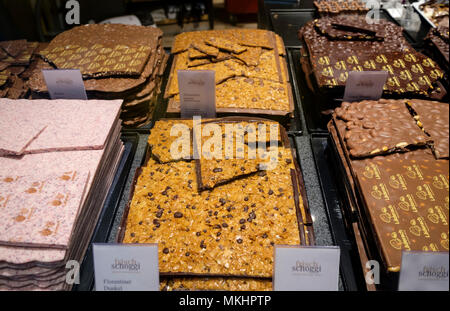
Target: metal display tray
[
  {"x": 338, "y": 216},
  {"x": 108, "y": 214},
  {"x": 298, "y": 186},
  {"x": 347, "y": 224},
  {"x": 286, "y": 23}
]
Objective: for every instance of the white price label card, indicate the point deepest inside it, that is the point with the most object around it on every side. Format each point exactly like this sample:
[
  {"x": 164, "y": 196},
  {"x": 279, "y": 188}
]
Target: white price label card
[
  {"x": 126, "y": 267},
  {"x": 197, "y": 93},
  {"x": 424, "y": 271},
  {"x": 365, "y": 85},
  {"x": 306, "y": 268},
  {"x": 65, "y": 84}
]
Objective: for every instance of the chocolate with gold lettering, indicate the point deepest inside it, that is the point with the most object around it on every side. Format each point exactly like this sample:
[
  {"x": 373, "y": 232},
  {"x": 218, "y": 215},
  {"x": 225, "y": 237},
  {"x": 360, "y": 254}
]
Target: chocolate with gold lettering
[{"x": 406, "y": 203}]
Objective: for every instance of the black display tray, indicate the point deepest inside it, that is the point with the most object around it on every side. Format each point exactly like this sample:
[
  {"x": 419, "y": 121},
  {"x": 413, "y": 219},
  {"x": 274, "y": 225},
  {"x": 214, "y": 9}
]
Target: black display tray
[
  {"x": 335, "y": 186},
  {"x": 287, "y": 23},
  {"x": 339, "y": 216},
  {"x": 310, "y": 103},
  {"x": 108, "y": 214}
]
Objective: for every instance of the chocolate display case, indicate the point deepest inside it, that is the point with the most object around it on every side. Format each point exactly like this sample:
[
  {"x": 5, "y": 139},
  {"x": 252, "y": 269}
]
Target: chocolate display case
[
  {"x": 303, "y": 217},
  {"x": 389, "y": 217},
  {"x": 242, "y": 88}
]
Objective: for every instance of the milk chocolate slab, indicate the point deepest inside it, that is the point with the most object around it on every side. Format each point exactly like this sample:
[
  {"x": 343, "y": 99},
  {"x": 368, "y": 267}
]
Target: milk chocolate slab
[
  {"x": 99, "y": 60},
  {"x": 100, "y": 39},
  {"x": 374, "y": 128},
  {"x": 406, "y": 201},
  {"x": 433, "y": 118},
  {"x": 104, "y": 85}
]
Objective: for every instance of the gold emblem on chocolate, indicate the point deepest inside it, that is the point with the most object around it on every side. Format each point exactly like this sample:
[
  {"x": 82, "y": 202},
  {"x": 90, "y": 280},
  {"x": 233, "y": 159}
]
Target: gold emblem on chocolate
[
  {"x": 328, "y": 72},
  {"x": 414, "y": 229},
  {"x": 105, "y": 51},
  {"x": 403, "y": 205},
  {"x": 444, "y": 241},
  {"x": 432, "y": 216},
  {"x": 91, "y": 53},
  {"x": 99, "y": 58},
  {"x": 385, "y": 216},
  {"x": 368, "y": 172},
  {"x": 324, "y": 60},
  {"x": 343, "y": 76},
  {"x": 67, "y": 53},
  {"x": 393, "y": 182},
  {"x": 410, "y": 58},
  {"x": 395, "y": 242},
  {"x": 369, "y": 64},
  {"x": 427, "y": 62},
  {"x": 376, "y": 193},
  {"x": 420, "y": 193},
  {"x": 399, "y": 63},
  {"x": 417, "y": 68},
  {"x": 352, "y": 60},
  {"x": 437, "y": 183}
]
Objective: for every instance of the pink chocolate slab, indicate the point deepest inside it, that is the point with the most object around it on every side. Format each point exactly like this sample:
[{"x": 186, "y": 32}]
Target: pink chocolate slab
[
  {"x": 18, "y": 127},
  {"x": 71, "y": 124},
  {"x": 37, "y": 210},
  {"x": 75, "y": 125},
  {"x": 45, "y": 163},
  {"x": 19, "y": 255}
]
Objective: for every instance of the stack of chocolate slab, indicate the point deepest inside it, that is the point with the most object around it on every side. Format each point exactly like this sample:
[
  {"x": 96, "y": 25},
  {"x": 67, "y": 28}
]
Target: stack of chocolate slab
[
  {"x": 394, "y": 161},
  {"x": 16, "y": 59},
  {"x": 116, "y": 62},
  {"x": 55, "y": 174},
  {"x": 335, "y": 46}
]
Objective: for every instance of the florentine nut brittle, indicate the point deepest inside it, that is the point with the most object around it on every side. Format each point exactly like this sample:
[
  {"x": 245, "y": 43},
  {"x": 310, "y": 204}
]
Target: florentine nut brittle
[
  {"x": 208, "y": 284},
  {"x": 206, "y": 49},
  {"x": 226, "y": 45},
  {"x": 229, "y": 230}
]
